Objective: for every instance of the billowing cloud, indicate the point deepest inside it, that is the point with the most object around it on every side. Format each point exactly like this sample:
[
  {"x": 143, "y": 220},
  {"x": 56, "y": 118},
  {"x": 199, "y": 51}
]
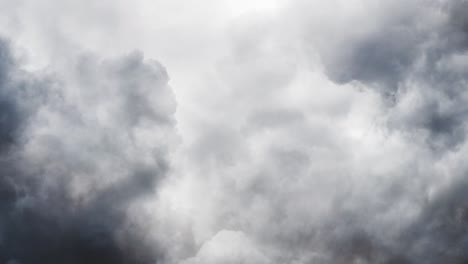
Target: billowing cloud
[
  {"x": 76, "y": 154},
  {"x": 408, "y": 54},
  {"x": 307, "y": 132},
  {"x": 228, "y": 247},
  {"x": 343, "y": 142}
]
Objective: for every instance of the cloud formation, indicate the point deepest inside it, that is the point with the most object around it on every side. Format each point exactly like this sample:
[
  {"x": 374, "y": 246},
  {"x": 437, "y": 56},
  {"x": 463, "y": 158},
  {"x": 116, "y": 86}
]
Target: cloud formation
[
  {"x": 313, "y": 132},
  {"x": 351, "y": 153},
  {"x": 76, "y": 154},
  {"x": 412, "y": 51}
]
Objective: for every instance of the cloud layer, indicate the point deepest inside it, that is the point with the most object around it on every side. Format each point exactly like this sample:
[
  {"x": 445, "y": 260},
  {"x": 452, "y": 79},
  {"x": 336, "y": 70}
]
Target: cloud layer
[
  {"x": 76, "y": 154},
  {"x": 308, "y": 132}
]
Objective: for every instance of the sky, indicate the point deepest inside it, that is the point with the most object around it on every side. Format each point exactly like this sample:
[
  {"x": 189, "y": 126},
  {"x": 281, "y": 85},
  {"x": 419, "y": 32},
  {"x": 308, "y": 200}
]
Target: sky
[{"x": 233, "y": 132}]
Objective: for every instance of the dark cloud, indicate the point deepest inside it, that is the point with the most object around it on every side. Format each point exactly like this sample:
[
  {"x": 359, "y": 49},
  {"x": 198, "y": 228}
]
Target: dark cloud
[
  {"x": 381, "y": 58},
  {"x": 416, "y": 50},
  {"x": 282, "y": 161},
  {"x": 72, "y": 162},
  {"x": 439, "y": 235},
  {"x": 14, "y": 111}
]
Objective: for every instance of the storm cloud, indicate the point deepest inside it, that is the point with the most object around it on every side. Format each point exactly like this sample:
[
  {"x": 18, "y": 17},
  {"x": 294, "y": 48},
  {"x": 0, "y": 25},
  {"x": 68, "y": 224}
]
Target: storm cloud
[
  {"x": 73, "y": 163},
  {"x": 322, "y": 132}
]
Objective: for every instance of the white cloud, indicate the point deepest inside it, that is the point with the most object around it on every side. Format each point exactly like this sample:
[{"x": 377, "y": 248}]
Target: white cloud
[
  {"x": 323, "y": 131},
  {"x": 228, "y": 247}
]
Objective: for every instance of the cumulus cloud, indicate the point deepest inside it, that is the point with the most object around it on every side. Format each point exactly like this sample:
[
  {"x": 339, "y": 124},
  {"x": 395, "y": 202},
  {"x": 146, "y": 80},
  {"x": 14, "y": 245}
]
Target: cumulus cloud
[
  {"x": 311, "y": 132},
  {"x": 76, "y": 154},
  {"x": 351, "y": 152},
  {"x": 409, "y": 54},
  {"x": 228, "y": 247}
]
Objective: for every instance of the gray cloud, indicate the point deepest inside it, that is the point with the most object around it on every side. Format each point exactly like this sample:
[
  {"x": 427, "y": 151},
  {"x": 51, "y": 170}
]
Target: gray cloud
[
  {"x": 409, "y": 52},
  {"x": 361, "y": 183},
  {"x": 75, "y": 157},
  {"x": 321, "y": 132}
]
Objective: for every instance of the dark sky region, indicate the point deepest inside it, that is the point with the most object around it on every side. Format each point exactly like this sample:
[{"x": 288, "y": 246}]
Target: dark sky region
[{"x": 233, "y": 132}]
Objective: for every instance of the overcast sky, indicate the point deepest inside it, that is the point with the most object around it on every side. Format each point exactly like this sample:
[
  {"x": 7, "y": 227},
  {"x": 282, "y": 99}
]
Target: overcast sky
[{"x": 233, "y": 131}]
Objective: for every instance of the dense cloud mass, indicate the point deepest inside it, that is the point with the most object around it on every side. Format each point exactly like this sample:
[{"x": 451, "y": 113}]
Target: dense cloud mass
[
  {"x": 75, "y": 156},
  {"x": 306, "y": 132},
  {"x": 415, "y": 53}
]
